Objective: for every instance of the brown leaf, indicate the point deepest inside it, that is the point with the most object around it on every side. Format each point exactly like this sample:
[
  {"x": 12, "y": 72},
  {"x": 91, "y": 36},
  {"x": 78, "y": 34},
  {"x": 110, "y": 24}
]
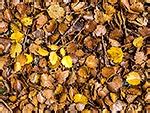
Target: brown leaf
[
  {"x": 107, "y": 71},
  {"x": 91, "y": 61}
]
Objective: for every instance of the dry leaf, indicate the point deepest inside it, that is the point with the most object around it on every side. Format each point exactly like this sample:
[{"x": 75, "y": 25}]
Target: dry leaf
[
  {"x": 27, "y": 21},
  {"x": 116, "y": 54},
  {"x": 138, "y": 42},
  {"x": 15, "y": 50},
  {"x": 17, "y": 36},
  {"x": 62, "y": 52},
  {"x": 29, "y": 58},
  {"x": 79, "y": 98},
  {"x": 67, "y": 61},
  {"x": 53, "y": 58},
  {"x": 139, "y": 57},
  {"x": 91, "y": 61},
  {"x": 42, "y": 52},
  {"x": 133, "y": 78},
  {"x": 17, "y": 66},
  {"x": 107, "y": 71},
  {"x": 55, "y": 11},
  {"x": 53, "y": 47}
]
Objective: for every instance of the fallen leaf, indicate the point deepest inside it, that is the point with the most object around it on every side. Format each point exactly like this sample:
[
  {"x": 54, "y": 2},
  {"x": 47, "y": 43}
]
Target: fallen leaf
[
  {"x": 15, "y": 50},
  {"x": 133, "y": 78},
  {"x": 53, "y": 47},
  {"x": 17, "y": 36},
  {"x": 42, "y": 52},
  {"x": 55, "y": 11},
  {"x": 27, "y": 21},
  {"x": 67, "y": 61},
  {"x": 17, "y": 67},
  {"x": 91, "y": 61},
  {"x": 53, "y": 58},
  {"x": 116, "y": 54},
  {"x": 138, "y": 42},
  {"x": 79, "y": 98},
  {"x": 29, "y": 58},
  {"x": 62, "y": 52}
]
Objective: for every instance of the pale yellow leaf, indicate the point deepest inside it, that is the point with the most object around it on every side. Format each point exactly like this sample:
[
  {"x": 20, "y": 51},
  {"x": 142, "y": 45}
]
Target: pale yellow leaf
[
  {"x": 17, "y": 66},
  {"x": 53, "y": 58},
  {"x": 62, "y": 52},
  {"x": 133, "y": 78},
  {"x": 42, "y": 52}
]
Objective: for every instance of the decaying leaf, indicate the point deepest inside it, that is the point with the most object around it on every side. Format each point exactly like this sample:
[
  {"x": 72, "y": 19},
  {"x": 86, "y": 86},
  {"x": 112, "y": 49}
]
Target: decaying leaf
[
  {"x": 133, "y": 78},
  {"x": 67, "y": 61},
  {"x": 15, "y": 50}
]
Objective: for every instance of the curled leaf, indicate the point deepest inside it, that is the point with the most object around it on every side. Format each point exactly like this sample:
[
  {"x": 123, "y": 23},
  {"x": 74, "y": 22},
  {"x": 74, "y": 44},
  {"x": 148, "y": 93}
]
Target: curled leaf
[
  {"x": 15, "y": 50},
  {"x": 42, "y": 52},
  {"x": 17, "y": 36},
  {"x": 53, "y": 58},
  {"x": 29, "y": 58},
  {"x": 67, "y": 61},
  {"x": 138, "y": 42},
  {"x": 133, "y": 78},
  {"x": 79, "y": 98},
  {"x": 116, "y": 54}
]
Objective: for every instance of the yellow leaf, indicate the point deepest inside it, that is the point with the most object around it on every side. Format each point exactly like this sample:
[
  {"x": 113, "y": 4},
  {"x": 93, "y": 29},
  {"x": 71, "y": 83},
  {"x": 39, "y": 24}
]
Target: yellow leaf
[
  {"x": 29, "y": 58},
  {"x": 133, "y": 78},
  {"x": 27, "y": 21},
  {"x": 15, "y": 50},
  {"x": 62, "y": 51},
  {"x": 138, "y": 42},
  {"x": 116, "y": 54},
  {"x": 53, "y": 58},
  {"x": 42, "y": 52},
  {"x": 67, "y": 61},
  {"x": 17, "y": 36},
  {"x": 53, "y": 47},
  {"x": 79, "y": 98},
  {"x": 17, "y": 66}
]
